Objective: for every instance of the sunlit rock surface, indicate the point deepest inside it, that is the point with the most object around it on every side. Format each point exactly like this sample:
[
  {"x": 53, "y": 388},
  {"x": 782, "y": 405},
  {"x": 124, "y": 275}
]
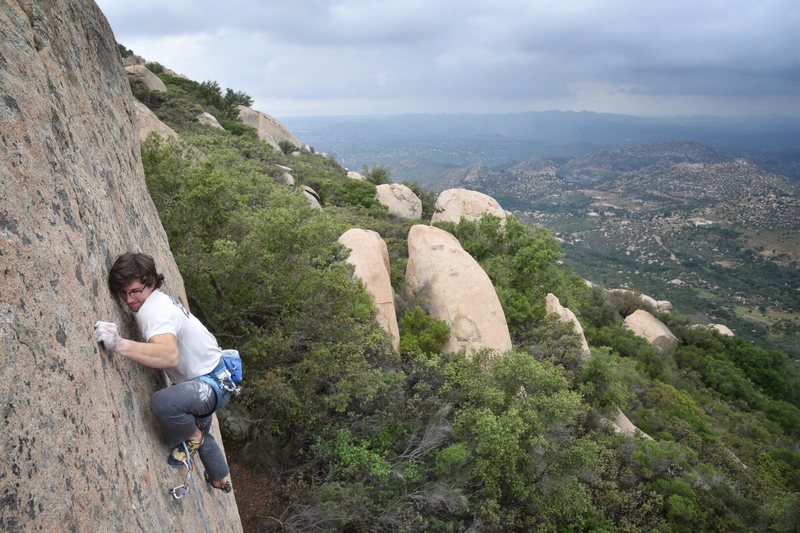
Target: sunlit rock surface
[
  {"x": 645, "y": 325},
  {"x": 454, "y": 204},
  {"x": 455, "y": 289},
  {"x": 80, "y": 450},
  {"x": 370, "y": 258},
  {"x": 400, "y": 200}
]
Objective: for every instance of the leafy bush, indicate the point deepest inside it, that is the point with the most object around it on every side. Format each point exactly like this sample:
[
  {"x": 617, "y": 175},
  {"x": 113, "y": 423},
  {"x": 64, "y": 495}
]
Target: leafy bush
[
  {"x": 422, "y": 334},
  {"x": 123, "y": 51},
  {"x": 155, "y": 68},
  {"x": 378, "y": 175},
  {"x": 287, "y": 147},
  {"x": 350, "y": 193}
]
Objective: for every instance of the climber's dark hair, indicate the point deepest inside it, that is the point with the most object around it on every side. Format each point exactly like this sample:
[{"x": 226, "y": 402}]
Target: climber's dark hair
[{"x": 130, "y": 267}]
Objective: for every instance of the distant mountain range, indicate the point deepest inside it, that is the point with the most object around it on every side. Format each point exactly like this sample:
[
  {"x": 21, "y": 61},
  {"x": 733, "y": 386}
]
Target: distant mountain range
[{"x": 420, "y": 147}]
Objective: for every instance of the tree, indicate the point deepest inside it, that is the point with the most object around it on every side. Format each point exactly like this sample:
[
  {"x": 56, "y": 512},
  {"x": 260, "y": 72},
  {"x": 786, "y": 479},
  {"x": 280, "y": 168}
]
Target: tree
[{"x": 377, "y": 175}]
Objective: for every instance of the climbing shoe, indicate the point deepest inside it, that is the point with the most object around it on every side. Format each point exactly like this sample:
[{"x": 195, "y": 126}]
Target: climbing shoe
[
  {"x": 181, "y": 454},
  {"x": 226, "y": 488}
]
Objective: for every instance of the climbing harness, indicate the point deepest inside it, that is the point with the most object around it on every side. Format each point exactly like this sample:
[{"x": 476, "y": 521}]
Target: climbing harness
[
  {"x": 181, "y": 491},
  {"x": 225, "y": 377}
]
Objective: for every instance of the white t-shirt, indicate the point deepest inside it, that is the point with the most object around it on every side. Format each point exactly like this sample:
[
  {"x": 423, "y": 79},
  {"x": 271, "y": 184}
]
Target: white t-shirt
[{"x": 199, "y": 351}]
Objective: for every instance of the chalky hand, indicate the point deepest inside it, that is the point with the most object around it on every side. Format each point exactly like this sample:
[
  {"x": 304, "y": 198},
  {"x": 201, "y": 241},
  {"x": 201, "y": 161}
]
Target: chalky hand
[{"x": 108, "y": 334}]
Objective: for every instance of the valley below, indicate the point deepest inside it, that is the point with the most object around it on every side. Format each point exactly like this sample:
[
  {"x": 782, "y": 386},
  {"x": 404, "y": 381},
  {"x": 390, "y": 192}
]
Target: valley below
[{"x": 719, "y": 237}]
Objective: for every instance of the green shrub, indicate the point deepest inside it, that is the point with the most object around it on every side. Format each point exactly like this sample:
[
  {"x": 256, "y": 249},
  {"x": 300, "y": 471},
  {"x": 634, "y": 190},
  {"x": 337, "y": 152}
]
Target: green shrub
[
  {"x": 287, "y": 147},
  {"x": 349, "y": 193},
  {"x": 421, "y": 333},
  {"x": 155, "y": 68},
  {"x": 123, "y": 51},
  {"x": 378, "y": 175}
]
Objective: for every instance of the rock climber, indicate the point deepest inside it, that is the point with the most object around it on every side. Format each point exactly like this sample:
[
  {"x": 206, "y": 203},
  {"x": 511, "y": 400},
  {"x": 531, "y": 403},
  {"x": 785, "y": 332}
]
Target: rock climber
[{"x": 180, "y": 345}]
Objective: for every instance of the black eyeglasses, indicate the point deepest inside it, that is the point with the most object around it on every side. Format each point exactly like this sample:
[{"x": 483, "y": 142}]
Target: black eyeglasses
[{"x": 134, "y": 292}]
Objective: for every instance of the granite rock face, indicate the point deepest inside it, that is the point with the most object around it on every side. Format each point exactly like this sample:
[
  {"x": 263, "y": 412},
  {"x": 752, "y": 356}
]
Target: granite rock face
[
  {"x": 370, "y": 258},
  {"x": 268, "y": 129},
  {"x": 645, "y": 325},
  {"x": 722, "y": 329},
  {"x": 455, "y": 289},
  {"x": 80, "y": 448},
  {"x": 400, "y": 200},
  {"x": 553, "y": 306},
  {"x": 141, "y": 74},
  {"x": 147, "y": 122},
  {"x": 207, "y": 119},
  {"x": 454, "y": 204}
]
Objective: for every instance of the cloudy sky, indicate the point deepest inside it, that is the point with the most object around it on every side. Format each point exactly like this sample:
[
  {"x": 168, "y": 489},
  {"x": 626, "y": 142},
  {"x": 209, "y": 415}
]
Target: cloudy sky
[{"x": 339, "y": 57}]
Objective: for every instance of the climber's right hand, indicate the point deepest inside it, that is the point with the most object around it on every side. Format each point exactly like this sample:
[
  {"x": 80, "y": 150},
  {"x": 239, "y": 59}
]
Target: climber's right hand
[{"x": 108, "y": 334}]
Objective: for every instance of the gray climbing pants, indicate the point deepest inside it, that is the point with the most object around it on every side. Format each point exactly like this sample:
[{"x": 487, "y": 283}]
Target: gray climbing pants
[{"x": 182, "y": 408}]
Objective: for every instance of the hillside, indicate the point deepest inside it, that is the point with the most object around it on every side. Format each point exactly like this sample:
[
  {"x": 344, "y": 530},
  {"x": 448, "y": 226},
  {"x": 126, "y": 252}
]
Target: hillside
[{"x": 349, "y": 434}]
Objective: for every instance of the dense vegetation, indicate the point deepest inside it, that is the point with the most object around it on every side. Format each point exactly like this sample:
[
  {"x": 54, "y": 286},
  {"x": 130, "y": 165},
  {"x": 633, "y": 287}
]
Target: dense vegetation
[{"x": 363, "y": 438}]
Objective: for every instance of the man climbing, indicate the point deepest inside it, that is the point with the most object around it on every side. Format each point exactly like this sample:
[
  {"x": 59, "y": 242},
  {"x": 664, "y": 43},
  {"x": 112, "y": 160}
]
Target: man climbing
[{"x": 178, "y": 343}]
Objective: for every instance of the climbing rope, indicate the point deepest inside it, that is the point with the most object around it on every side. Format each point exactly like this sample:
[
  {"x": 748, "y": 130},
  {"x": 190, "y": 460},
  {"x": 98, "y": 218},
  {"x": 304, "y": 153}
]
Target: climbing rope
[{"x": 182, "y": 490}]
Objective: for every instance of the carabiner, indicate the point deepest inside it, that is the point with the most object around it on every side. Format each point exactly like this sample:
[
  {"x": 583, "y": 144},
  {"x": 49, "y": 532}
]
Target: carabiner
[{"x": 179, "y": 492}]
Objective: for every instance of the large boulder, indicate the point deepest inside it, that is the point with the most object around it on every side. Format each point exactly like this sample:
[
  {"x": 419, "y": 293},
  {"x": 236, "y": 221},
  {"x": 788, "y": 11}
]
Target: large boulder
[
  {"x": 133, "y": 59},
  {"x": 622, "y": 425},
  {"x": 287, "y": 179},
  {"x": 80, "y": 448},
  {"x": 141, "y": 74},
  {"x": 313, "y": 197},
  {"x": 645, "y": 325},
  {"x": 147, "y": 122},
  {"x": 370, "y": 258},
  {"x": 400, "y": 200},
  {"x": 353, "y": 175},
  {"x": 722, "y": 329},
  {"x": 267, "y": 128},
  {"x": 660, "y": 306},
  {"x": 207, "y": 119},
  {"x": 553, "y": 306},
  {"x": 286, "y": 175},
  {"x": 454, "y": 288},
  {"x": 454, "y": 204}
]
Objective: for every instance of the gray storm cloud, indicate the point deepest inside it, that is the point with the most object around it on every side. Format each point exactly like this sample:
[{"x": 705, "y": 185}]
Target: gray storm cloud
[{"x": 387, "y": 56}]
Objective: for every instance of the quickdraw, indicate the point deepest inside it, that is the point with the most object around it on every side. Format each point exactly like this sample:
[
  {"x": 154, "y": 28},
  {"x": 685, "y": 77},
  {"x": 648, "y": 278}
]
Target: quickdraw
[{"x": 181, "y": 491}]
